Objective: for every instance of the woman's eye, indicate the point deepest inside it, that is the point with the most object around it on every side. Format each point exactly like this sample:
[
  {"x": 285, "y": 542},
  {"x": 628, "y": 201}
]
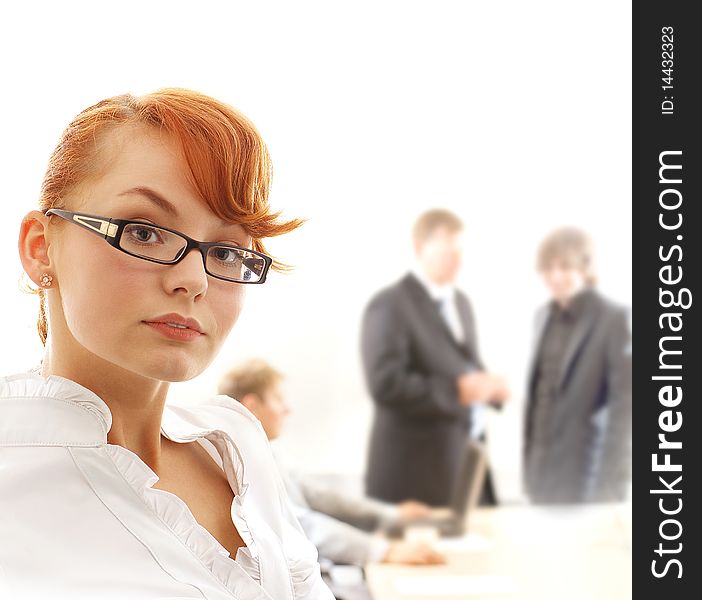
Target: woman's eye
[
  {"x": 145, "y": 235},
  {"x": 226, "y": 255}
]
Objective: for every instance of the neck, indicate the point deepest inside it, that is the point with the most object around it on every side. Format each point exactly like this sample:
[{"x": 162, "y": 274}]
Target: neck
[
  {"x": 423, "y": 275},
  {"x": 568, "y": 300},
  {"x": 136, "y": 402}
]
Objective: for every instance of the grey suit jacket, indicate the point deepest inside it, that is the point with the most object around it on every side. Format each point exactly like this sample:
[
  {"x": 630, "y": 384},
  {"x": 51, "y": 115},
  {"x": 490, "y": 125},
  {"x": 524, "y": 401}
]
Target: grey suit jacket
[
  {"x": 587, "y": 454},
  {"x": 411, "y": 363}
]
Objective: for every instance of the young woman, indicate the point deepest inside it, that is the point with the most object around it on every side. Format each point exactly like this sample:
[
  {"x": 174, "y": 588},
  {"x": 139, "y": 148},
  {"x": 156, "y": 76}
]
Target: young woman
[{"x": 151, "y": 221}]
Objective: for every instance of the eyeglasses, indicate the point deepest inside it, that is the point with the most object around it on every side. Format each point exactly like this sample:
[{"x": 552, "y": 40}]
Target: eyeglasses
[{"x": 169, "y": 247}]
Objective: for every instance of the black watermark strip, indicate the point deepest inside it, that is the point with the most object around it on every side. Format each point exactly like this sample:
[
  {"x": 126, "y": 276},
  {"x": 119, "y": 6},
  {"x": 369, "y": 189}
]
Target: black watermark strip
[{"x": 667, "y": 169}]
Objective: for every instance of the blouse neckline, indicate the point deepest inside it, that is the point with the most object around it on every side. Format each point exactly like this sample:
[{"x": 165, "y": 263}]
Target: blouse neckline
[
  {"x": 56, "y": 411},
  {"x": 78, "y": 415}
]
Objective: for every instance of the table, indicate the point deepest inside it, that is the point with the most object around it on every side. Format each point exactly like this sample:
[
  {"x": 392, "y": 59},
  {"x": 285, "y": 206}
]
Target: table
[{"x": 523, "y": 552}]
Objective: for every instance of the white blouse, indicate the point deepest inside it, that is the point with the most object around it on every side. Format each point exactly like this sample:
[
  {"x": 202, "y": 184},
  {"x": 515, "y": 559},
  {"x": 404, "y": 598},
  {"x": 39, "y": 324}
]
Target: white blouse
[{"x": 80, "y": 518}]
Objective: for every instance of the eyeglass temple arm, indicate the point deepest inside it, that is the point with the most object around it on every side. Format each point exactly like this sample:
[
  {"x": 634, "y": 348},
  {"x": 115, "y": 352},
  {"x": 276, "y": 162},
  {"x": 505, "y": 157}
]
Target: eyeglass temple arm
[{"x": 99, "y": 226}]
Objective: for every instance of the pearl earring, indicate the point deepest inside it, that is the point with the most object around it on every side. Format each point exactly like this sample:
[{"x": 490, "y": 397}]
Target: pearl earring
[{"x": 45, "y": 280}]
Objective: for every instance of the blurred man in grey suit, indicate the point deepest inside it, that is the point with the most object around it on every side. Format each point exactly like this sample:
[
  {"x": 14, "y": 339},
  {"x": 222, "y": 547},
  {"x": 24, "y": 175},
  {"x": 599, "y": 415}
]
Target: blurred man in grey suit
[
  {"x": 420, "y": 356},
  {"x": 338, "y": 524},
  {"x": 578, "y": 420}
]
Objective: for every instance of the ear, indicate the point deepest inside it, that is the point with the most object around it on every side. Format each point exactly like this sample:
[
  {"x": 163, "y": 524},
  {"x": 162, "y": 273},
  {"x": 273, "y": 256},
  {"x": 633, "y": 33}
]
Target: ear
[
  {"x": 33, "y": 246},
  {"x": 251, "y": 401},
  {"x": 417, "y": 245}
]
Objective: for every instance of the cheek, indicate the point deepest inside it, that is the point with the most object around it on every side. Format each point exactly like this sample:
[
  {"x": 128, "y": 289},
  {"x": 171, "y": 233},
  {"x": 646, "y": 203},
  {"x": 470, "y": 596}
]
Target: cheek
[
  {"x": 454, "y": 258},
  {"x": 227, "y": 301},
  {"x": 435, "y": 260},
  {"x": 570, "y": 279},
  {"x": 101, "y": 296},
  {"x": 99, "y": 286},
  {"x": 550, "y": 279},
  {"x": 278, "y": 420},
  {"x": 578, "y": 280},
  {"x": 447, "y": 257}
]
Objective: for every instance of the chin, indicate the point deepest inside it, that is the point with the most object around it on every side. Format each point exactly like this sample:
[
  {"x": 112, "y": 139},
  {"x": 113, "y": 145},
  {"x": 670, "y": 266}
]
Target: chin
[
  {"x": 175, "y": 369},
  {"x": 447, "y": 279}
]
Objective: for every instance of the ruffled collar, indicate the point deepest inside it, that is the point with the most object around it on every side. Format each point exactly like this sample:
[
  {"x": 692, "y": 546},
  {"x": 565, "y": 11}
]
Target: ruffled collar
[
  {"x": 56, "y": 411},
  {"x": 51, "y": 410}
]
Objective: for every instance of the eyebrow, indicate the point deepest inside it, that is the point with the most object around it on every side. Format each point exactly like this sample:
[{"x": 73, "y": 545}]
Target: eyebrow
[
  {"x": 154, "y": 196},
  {"x": 164, "y": 204}
]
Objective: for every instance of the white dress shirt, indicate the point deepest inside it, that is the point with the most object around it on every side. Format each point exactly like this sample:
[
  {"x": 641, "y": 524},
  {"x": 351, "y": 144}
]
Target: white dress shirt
[
  {"x": 331, "y": 518},
  {"x": 80, "y": 518},
  {"x": 445, "y": 295}
]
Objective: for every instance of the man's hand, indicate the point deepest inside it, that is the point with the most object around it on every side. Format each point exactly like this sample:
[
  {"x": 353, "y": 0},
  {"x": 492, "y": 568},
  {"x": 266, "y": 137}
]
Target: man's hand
[
  {"x": 481, "y": 387},
  {"x": 413, "y": 553},
  {"x": 502, "y": 391},
  {"x": 475, "y": 387},
  {"x": 412, "y": 509}
]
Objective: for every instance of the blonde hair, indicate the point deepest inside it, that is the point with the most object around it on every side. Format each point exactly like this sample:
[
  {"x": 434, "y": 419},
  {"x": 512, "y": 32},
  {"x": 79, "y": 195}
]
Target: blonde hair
[
  {"x": 573, "y": 247},
  {"x": 228, "y": 162},
  {"x": 254, "y": 376},
  {"x": 431, "y": 220}
]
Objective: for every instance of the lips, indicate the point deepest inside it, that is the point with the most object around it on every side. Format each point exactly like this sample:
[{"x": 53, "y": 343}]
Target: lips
[{"x": 177, "y": 323}]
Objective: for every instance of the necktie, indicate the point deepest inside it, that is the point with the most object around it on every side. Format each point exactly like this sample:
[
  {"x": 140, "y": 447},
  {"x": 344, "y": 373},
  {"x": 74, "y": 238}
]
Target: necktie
[
  {"x": 478, "y": 416},
  {"x": 448, "y": 312}
]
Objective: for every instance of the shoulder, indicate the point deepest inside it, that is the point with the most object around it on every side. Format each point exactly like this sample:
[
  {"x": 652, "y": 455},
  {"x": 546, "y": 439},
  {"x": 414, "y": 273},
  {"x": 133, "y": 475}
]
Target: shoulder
[
  {"x": 610, "y": 310},
  {"x": 226, "y": 405},
  {"x": 390, "y": 302},
  {"x": 543, "y": 311},
  {"x": 236, "y": 427},
  {"x": 462, "y": 298},
  {"x": 617, "y": 324},
  {"x": 216, "y": 413},
  {"x": 392, "y": 292}
]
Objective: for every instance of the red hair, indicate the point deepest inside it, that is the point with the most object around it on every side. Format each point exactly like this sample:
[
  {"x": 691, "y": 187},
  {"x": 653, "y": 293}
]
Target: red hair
[{"x": 228, "y": 162}]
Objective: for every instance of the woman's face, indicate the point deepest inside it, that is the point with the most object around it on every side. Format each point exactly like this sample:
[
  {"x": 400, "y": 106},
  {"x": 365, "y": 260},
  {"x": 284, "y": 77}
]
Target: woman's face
[{"x": 117, "y": 307}]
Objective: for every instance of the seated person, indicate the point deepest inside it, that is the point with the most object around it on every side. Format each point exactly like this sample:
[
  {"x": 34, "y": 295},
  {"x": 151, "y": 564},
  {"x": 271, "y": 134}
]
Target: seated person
[{"x": 333, "y": 521}]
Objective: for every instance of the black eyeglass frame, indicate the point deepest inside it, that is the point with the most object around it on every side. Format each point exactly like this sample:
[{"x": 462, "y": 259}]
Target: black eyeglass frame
[{"x": 111, "y": 231}]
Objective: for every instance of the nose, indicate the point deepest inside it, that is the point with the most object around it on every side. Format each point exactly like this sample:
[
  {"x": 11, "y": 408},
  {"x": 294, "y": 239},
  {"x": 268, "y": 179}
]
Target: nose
[{"x": 188, "y": 276}]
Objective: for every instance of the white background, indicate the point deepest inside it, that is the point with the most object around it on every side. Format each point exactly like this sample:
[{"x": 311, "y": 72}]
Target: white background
[{"x": 515, "y": 115}]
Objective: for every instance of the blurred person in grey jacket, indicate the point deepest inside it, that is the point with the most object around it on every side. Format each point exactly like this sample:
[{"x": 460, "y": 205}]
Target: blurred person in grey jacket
[
  {"x": 423, "y": 370},
  {"x": 577, "y": 435},
  {"x": 337, "y": 523}
]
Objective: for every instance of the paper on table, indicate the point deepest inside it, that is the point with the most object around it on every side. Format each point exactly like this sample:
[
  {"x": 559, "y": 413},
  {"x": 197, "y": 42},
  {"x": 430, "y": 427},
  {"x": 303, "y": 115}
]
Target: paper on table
[
  {"x": 466, "y": 543},
  {"x": 346, "y": 574},
  {"x": 453, "y": 585}
]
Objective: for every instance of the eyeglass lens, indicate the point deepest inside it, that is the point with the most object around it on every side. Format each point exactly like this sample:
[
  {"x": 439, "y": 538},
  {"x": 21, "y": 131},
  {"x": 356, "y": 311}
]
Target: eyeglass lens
[{"x": 161, "y": 245}]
